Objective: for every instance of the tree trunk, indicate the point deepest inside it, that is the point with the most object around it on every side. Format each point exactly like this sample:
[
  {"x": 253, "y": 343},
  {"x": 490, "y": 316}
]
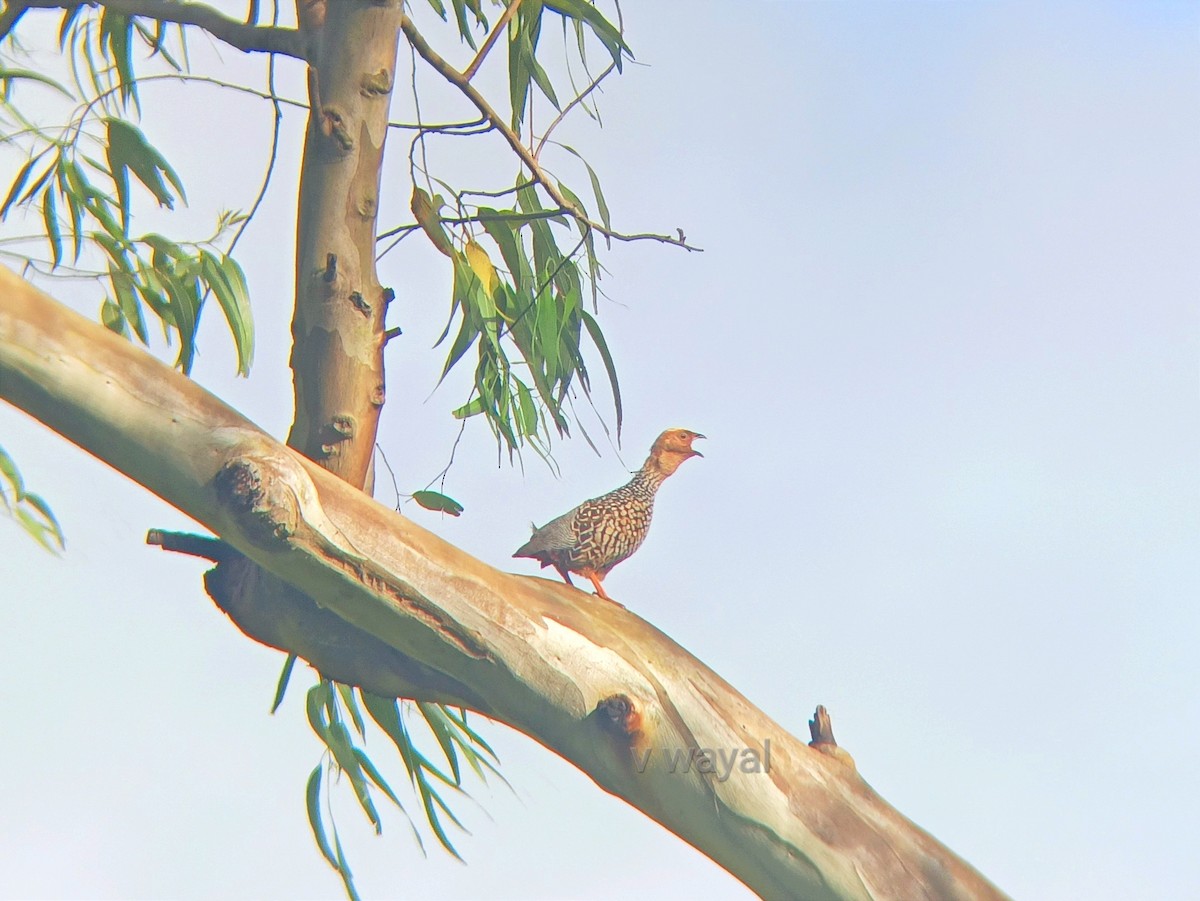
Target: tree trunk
[
  {"x": 590, "y": 681},
  {"x": 337, "y": 326}
]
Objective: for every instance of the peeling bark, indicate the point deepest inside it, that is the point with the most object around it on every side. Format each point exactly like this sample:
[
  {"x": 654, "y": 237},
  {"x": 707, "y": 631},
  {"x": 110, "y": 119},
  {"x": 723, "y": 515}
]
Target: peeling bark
[{"x": 592, "y": 682}]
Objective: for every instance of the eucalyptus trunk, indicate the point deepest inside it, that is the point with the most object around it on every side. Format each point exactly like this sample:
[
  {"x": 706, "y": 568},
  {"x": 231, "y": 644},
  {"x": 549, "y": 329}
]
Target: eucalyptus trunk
[{"x": 338, "y": 323}]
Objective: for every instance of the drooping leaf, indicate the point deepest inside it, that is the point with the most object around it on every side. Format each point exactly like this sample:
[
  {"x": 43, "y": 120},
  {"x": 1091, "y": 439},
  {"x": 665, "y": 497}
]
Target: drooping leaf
[
  {"x": 610, "y": 367},
  {"x": 582, "y": 11},
  {"x": 601, "y": 203},
  {"x": 116, "y": 31},
  {"x": 227, "y": 281},
  {"x": 53, "y": 228},
  {"x": 18, "y": 184},
  {"x": 129, "y": 151},
  {"x": 284, "y": 677},
  {"x": 9, "y": 74},
  {"x": 312, "y": 802},
  {"x": 439, "y": 503},
  {"x": 426, "y": 214}
]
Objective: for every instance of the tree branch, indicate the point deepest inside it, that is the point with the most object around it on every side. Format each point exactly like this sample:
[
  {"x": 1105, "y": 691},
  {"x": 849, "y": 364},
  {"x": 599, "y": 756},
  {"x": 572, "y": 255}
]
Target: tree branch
[
  {"x": 456, "y": 78},
  {"x": 509, "y": 12},
  {"x": 588, "y": 680},
  {"x": 247, "y": 38}
]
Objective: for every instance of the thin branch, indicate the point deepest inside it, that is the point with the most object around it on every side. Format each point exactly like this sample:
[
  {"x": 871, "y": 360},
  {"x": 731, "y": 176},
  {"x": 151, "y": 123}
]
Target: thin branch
[
  {"x": 463, "y": 220},
  {"x": 452, "y": 75},
  {"x": 509, "y": 12},
  {"x": 575, "y": 102},
  {"x": 247, "y": 38},
  {"x": 278, "y": 121},
  {"x": 450, "y": 128}
]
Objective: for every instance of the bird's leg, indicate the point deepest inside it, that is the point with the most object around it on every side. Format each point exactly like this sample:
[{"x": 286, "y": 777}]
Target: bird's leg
[
  {"x": 566, "y": 575},
  {"x": 595, "y": 580}
]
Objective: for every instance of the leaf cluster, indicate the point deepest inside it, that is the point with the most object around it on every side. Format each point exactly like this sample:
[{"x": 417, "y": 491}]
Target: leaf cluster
[
  {"x": 29, "y": 510},
  {"x": 524, "y": 275},
  {"x": 79, "y": 177},
  {"x": 335, "y": 713}
]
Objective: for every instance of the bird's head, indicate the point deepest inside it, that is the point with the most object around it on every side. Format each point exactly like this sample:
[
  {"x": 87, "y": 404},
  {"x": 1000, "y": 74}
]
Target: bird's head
[{"x": 672, "y": 448}]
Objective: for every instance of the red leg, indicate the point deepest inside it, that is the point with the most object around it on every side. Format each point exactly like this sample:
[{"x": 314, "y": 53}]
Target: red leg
[{"x": 595, "y": 580}]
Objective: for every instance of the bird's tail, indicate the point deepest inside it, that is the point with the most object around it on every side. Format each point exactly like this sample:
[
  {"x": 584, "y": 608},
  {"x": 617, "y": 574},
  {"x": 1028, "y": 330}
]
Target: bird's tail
[{"x": 528, "y": 549}]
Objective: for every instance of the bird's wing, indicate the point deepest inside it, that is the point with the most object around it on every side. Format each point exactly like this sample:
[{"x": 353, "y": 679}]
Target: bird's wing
[{"x": 557, "y": 535}]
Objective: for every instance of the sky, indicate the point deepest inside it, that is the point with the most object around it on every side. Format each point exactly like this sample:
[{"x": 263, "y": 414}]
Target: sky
[{"x": 944, "y": 340}]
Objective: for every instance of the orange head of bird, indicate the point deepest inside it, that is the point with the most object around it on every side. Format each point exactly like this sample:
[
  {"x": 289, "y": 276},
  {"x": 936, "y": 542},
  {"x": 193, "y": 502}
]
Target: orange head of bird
[{"x": 672, "y": 448}]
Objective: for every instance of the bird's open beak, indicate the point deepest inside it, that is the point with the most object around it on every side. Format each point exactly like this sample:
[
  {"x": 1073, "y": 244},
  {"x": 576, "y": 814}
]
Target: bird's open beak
[{"x": 696, "y": 453}]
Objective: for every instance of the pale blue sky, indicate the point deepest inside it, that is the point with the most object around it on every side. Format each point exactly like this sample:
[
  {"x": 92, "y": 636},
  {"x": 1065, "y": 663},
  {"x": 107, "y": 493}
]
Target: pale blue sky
[{"x": 944, "y": 340}]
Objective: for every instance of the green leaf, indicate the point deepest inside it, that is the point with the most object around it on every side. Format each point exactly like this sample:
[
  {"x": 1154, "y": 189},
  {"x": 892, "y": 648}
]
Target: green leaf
[
  {"x": 375, "y": 776},
  {"x": 426, "y": 213},
  {"x": 343, "y": 868},
  {"x": 430, "y": 798},
  {"x": 439, "y": 503},
  {"x": 597, "y": 336},
  {"x": 18, "y": 184},
  {"x": 542, "y": 80},
  {"x": 347, "y": 696},
  {"x": 10, "y": 74},
  {"x": 284, "y": 677},
  {"x": 601, "y": 204},
  {"x": 227, "y": 281},
  {"x": 129, "y": 151},
  {"x": 12, "y": 475},
  {"x": 312, "y": 799},
  {"x": 53, "y": 228},
  {"x": 35, "y": 501},
  {"x": 64, "y": 27},
  {"x": 314, "y": 705},
  {"x": 386, "y": 713},
  {"x": 527, "y": 409},
  {"x": 116, "y": 29},
  {"x": 520, "y": 52},
  {"x": 464, "y": 27},
  {"x": 338, "y": 741},
  {"x": 471, "y": 408},
  {"x": 506, "y": 233},
  {"x": 112, "y": 318},
  {"x": 608, "y": 34},
  {"x": 437, "y": 720},
  {"x": 74, "y": 202},
  {"x": 127, "y": 299}
]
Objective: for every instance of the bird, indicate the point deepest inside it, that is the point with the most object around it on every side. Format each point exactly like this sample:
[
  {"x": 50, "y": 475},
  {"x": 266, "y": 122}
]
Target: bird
[{"x": 598, "y": 534}]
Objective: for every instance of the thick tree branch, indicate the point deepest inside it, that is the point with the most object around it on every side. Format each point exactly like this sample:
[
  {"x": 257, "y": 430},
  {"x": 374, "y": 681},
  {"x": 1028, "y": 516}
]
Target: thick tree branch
[
  {"x": 591, "y": 681},
  {"x": 248, "y": 38},
  {"x": 526, "y": 156}
]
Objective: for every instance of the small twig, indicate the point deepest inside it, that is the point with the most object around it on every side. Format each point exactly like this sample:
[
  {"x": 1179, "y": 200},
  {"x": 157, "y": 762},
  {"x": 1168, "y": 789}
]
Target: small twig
[
  {"x": 451, "y": 128},
  {"x": 821, "y": 729},
  {"x": 509, "y": 12},
  {"x": 274, "y": 155},
  {"x": 213, "y": 549},
  {"x": 388, "y": 467},
  {"x": 463, "y": 220},
  {"x": 537, "y": 153}
]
